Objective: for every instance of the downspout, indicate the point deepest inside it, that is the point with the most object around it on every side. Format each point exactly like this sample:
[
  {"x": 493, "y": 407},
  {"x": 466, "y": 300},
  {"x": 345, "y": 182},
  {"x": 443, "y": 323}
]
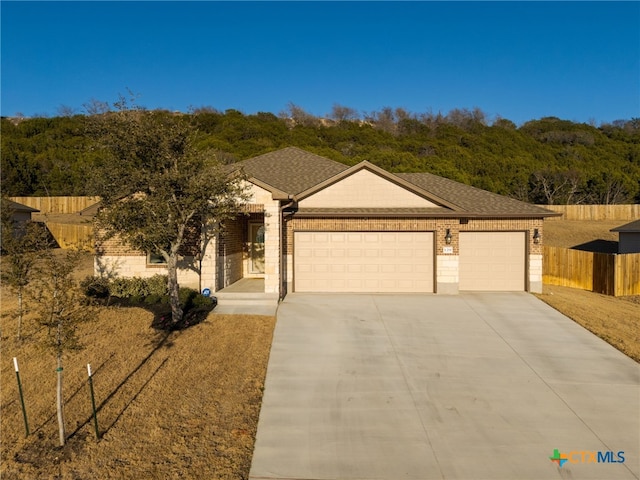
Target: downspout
[{"x": 292, "y": 201}]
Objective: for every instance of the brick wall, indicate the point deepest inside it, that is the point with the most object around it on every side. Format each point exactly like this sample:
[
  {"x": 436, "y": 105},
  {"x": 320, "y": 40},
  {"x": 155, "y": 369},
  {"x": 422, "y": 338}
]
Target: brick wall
[
  {"x": 439, "y": 226},
  {"x": 114, "y": 246}
]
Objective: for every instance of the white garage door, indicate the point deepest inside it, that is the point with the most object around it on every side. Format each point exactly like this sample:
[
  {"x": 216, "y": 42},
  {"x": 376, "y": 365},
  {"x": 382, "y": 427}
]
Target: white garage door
[
  {"x": 492, "y": 261},
  {"x": 363, "y": 262}
]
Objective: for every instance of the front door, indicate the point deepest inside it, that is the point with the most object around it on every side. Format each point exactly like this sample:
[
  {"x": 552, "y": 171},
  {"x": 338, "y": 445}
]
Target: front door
[{"x": 256, "y": 248}]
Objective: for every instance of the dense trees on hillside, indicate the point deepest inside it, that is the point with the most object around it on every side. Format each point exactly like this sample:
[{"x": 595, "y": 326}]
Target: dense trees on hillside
[{"x": 543, "y": 161}]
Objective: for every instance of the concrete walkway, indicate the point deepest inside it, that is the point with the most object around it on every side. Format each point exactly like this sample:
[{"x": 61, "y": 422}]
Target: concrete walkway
[{"x": 472, "y": 386}]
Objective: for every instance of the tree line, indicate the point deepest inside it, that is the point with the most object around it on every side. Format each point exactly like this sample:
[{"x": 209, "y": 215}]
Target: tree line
[{"x": 545, "y": 161}]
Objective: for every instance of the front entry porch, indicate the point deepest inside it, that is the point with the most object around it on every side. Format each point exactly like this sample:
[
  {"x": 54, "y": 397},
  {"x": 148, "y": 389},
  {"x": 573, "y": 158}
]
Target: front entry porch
[
  {"x": 246, "y": 296},
  {"x": 244, "y": 285}
]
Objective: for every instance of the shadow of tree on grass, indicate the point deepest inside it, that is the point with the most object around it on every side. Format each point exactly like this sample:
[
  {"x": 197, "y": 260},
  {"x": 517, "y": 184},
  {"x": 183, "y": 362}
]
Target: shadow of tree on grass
[{"x": 162, "y": 321}]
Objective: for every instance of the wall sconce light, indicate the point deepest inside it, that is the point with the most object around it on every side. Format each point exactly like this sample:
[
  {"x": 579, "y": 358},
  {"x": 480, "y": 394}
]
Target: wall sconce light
[
  {"x": 536, "y": 235},
  {"x": 447, "y": 237}
]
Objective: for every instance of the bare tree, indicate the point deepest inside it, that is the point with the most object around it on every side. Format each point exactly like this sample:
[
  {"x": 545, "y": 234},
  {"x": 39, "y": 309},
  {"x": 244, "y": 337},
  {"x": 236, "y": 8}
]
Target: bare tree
[
  {"x": 340, "y": 113},
  {"x": 557, "y": 187},
  {"x": 384, "y": 120},
  {"x": 298, "y": 116},
  {"x": 96, "y": 107},
  {"x": 66, "y": 111},
  {"x": 22, "y": 245},
  {"x": 60, "y": 309}
]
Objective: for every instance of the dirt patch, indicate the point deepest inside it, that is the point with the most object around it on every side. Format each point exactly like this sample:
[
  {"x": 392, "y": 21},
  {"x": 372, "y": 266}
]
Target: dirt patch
[{"x": 181, "y": 404}]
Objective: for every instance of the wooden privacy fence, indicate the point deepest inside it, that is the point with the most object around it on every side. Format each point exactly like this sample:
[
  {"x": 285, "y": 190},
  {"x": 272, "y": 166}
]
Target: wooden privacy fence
[
  {"x": 57, "y": 204},
  {"x": 606, "y": 273},
  {"x": 595, "y": 212},
  {"x": 69, "y": 235}
]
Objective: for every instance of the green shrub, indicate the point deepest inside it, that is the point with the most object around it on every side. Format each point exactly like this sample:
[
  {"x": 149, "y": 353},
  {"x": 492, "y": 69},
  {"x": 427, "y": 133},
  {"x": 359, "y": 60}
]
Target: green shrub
[
  {"x": 186, "y": 296},
  {"x": 95, "y": 287},
  {"x": 153, "y": 299},
  {"x": 150, "y": 291},
  {"x": 129, "y": 287},
  {"x": 157, "y": 285},
  {"x": 136, "y": 299},
  {"x": 202, "y": 301}
]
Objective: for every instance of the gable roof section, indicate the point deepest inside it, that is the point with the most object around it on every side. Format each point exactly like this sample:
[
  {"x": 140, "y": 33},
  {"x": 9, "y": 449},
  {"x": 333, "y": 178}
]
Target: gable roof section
[
  {"x": 394, "y": 179},
  {"x": 290, "y": 170},
  {"x": 293, "y": 172},
  {"x": 633, "y": 227}
]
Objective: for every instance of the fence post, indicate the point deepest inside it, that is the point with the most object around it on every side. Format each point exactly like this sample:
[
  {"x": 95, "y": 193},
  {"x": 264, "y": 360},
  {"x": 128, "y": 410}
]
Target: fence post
[
  {"x": 24, "y": 410},
  {"x": 93, "y": 402}
]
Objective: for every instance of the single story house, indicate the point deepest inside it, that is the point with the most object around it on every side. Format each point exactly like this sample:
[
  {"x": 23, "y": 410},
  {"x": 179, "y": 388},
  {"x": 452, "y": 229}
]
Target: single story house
[
  {"x": 628, "y": 237},
  {"x": 316, "y": 225}
]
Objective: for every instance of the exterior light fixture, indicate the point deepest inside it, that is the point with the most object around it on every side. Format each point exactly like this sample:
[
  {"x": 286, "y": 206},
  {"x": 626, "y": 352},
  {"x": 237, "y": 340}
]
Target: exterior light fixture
[
  {"x": 536, "y": 235},
  {"x": 447, "y": 237}
]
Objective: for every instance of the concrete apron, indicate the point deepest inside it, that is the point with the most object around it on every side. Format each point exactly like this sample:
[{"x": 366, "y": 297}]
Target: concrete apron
[{"x": 472, "y": 386}]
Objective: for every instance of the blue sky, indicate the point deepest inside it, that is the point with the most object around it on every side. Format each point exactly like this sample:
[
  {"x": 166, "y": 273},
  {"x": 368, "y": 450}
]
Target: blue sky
[{"x": 579, "y": 61}]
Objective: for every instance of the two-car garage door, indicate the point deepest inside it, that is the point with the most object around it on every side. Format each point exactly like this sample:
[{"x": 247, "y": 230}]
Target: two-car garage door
[{"x": 363, "y": 262}]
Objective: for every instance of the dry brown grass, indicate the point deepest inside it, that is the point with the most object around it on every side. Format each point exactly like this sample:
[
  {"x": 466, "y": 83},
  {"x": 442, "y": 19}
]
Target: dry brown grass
[
  {"x": 574, "y": 233},
  {"x": 614, "y": 319},
  {"x": 186, "y": 404},
  {"x": 178, "y": 405}
]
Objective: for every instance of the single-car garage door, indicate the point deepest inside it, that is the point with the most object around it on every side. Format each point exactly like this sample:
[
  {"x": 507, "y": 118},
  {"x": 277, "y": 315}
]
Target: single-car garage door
[
  {"x": 363, "y": 262},
  {"x": 492, "y": 261}
]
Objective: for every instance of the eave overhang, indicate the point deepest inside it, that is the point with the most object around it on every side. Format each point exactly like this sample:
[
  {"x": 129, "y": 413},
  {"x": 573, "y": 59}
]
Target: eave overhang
[
  {"x": 407, "y": 213},
  {"x": 276, "y": 193}
]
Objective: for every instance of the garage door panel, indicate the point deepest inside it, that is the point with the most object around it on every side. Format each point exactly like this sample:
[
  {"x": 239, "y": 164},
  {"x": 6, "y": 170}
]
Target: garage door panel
[
  {"x": 492, "y": 261},
  {"x": 363, "y": 262}
]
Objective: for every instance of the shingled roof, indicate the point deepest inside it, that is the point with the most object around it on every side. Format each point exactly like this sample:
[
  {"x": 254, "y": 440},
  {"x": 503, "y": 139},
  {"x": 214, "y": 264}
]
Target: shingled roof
[
  {"x": 19, "y": 207},
  {"x": 474, "y": 201},
  {"x": 633, "y": 227},
  {"x": 295, "y": 171},
  {"x": 291, "y": 169}
]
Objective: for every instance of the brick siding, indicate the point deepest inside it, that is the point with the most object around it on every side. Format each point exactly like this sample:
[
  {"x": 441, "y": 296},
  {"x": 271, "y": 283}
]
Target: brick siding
[{"x": 439, "y": 226}]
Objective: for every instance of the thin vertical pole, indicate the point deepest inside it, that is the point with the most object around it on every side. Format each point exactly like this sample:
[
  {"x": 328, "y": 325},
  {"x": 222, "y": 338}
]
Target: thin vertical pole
[
  {"x": 93, "y": 402},
  {"x": 24, "y": 409}
]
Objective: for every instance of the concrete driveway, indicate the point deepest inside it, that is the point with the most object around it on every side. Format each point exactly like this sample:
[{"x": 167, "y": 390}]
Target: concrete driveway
[{"x": 472, "y": 386}]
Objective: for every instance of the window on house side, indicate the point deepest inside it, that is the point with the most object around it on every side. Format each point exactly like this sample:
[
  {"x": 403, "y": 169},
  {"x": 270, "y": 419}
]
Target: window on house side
[{"x": 155, "y": 258}]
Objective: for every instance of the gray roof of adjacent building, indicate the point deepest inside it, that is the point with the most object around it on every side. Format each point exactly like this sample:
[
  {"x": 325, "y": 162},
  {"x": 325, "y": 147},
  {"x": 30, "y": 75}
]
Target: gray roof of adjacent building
[
  {"x": 633, "y": 227},
  {"x": 19, "y": 207}
]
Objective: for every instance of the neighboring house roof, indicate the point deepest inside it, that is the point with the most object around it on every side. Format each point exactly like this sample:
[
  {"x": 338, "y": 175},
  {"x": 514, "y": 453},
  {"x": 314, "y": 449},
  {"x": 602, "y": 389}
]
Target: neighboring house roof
[
  {"x": 91, "y": 210},
  {"x": 296, "y": 173},
  {"x": 19, "y": 207},
  {"x": 633, "y": 227}
]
